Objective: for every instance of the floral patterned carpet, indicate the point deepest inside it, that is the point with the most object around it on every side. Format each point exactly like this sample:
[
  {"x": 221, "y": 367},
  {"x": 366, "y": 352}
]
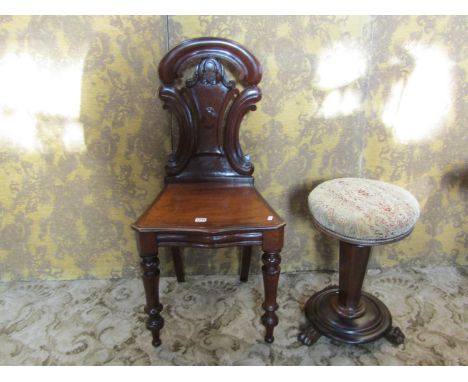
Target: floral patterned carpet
[{"x": 215, "y": 320}]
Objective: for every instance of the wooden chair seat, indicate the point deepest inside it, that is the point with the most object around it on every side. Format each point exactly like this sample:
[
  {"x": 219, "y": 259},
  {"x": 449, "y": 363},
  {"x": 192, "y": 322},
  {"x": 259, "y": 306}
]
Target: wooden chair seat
[{"x": 210, "y": 209}]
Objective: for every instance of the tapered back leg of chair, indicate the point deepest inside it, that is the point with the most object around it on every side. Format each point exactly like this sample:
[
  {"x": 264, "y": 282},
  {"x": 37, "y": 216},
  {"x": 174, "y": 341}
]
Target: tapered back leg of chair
[
  {"x": 246, "y": 256},
  {"x": 178, "y": 264}
]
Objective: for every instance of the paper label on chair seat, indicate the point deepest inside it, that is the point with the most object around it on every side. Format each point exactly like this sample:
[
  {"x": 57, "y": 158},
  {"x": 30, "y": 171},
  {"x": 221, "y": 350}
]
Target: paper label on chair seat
[{"x": 200, "y": 220}]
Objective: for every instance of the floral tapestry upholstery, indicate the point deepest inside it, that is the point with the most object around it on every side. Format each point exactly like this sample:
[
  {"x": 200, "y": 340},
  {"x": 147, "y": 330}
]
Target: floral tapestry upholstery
[{"x": 363, "y": 210}]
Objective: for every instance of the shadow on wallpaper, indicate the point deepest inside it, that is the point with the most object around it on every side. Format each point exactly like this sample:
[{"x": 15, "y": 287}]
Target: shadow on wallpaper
[{"x": 84, "y": 139}]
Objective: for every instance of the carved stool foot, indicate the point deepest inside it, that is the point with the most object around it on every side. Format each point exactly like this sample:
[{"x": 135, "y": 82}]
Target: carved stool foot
[
  {"x": 395, "y": 336},
  {"x": 309, "y": 336}
]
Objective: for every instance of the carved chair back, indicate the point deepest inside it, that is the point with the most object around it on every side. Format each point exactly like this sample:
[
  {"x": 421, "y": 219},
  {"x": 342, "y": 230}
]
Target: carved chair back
[{"x": 209, "y": 109}]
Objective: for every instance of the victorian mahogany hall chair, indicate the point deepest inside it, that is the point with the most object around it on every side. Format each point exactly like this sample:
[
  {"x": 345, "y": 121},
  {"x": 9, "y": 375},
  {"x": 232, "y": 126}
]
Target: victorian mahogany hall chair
[{"x": 209, "y": 199}]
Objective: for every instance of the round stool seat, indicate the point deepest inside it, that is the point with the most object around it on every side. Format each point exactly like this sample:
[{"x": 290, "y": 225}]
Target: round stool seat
[{"x": 363, "y": 211}]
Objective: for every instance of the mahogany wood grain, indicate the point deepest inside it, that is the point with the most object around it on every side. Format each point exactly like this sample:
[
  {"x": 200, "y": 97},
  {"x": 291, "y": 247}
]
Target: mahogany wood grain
[
  {"x": 209, "y": 199},
  {"x": 352, "y": 269},
  {"x": 217, "y": 207}
]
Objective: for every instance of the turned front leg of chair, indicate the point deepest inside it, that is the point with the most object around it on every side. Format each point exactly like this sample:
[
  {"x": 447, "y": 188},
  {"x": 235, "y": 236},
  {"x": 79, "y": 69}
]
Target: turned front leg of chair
[
  {"x": 271, "y": 272},
  {"x": 147, "y": 247},
  {"x": 272, "y": 244}
]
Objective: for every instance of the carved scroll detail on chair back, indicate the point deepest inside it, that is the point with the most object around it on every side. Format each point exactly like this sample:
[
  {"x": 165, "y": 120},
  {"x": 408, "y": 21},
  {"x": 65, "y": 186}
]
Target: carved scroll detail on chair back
[{"x": 209, "y": 109}]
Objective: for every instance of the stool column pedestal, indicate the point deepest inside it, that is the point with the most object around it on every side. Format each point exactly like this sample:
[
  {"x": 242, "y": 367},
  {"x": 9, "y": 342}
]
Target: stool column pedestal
[
  {"x": 345, "y": 313},
  {"x": 353, "y": 267}
]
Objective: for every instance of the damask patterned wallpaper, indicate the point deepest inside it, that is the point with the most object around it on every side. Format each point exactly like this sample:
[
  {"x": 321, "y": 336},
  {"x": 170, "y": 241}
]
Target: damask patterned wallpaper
[
  {"x": 82, "y": 142},
  {"x": 83, "y": 137}
]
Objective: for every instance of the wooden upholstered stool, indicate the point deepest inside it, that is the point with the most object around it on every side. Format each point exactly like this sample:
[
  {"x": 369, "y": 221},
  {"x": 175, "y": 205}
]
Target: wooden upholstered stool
[{"x": 360, "y": 213}]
